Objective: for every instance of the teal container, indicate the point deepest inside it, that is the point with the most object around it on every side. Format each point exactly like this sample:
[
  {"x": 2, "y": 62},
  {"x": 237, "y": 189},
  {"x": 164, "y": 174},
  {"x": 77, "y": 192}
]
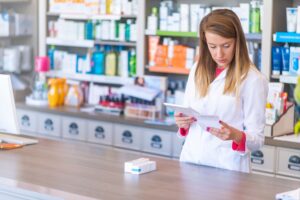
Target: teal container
[
  {"x": 98, "y": 59},
  {"x": 89, "y": 30}
]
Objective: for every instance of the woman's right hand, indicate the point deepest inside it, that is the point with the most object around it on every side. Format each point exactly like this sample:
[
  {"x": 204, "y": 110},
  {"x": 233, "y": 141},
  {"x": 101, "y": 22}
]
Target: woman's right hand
[{"x": 183, "y": 121}]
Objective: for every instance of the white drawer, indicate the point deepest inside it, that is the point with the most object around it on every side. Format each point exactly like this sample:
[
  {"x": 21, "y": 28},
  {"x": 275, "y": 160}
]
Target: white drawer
[
  {"x": 288, "y": 162},
  {"x": 177, "y": 145},
  {"x": 74, "y": 128},
  {"x": 264, "y": 159},
  {"x": 100, "y": 132},
  {"x": 127, "y": 137},
  {"x": 155, "y": 141},
  {"x": 27, "y": 121},
  {"x": 49, "y": 125}
]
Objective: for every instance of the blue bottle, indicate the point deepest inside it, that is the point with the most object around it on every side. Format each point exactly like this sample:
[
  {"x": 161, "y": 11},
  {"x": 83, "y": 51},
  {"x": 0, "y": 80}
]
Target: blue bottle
[
  {"x": 51, "y": 56},
  {"x": 98, "y": 61},
  {"x": 89, "y": 30}
]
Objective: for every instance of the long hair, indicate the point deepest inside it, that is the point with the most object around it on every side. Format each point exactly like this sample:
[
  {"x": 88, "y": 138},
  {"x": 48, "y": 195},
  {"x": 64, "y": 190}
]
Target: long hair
[{"x": 224, "y": 23}]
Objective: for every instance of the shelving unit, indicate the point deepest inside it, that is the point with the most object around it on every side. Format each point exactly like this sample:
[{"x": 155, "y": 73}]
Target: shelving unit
[
  {"x": 264, "y": 38},
  {"x": 27, "y": 7},
  {"x": 45, "y": 41}
]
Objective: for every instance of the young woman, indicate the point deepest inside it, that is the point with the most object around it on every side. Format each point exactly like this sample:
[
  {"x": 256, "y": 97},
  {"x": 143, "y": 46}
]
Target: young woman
[{"x": 224, "y": 82}]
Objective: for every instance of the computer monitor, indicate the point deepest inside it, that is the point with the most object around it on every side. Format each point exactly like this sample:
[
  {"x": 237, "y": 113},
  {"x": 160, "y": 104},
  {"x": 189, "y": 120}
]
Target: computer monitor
[{"x": 8, "y": 118}]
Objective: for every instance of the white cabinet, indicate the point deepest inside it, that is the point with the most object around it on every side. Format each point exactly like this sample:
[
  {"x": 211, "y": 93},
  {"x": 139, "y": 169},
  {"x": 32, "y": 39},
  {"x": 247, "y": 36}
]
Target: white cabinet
[
  {"x": 177, "y": 145},
  {"x": 100, "y": 132},
  {"x": 74, "y": 128},
  {"x": 27, "y": 121},
  {"x": 264, "y": 159},
  {"x": 49, "y": 125},
  {"x": 127, "y": 137},
  {"x": 288, "y": 162},
  {"x": 155, "y": 141}
]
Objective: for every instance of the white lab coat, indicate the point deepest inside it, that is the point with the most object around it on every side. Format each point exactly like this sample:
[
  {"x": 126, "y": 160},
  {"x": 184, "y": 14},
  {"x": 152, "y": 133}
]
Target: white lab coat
[{"x": 245, "y": 113}]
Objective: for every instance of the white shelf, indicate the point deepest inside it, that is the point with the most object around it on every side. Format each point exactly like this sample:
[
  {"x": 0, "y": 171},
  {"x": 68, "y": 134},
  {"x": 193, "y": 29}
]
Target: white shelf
[
  {"x": 71, "y": 43},
  {"x": 115, "y": 43},
  {"x": 90, "y": 17},
  {"x": 13, "y": 1},
  {"x": 91, "y": 78},
  {"x": 288, "y": 79},
  {"x": 14, "y": 36},
  {"x": 86, "y": 43},
  {"x": 275, "y": 76}
]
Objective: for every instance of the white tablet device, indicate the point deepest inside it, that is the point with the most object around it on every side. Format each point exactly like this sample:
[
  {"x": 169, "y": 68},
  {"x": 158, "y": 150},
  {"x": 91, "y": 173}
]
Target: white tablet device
[
  {"x": 203, "y": 120},
  {"x": 9, "y": 126},
  {"x": 8, "y": 119}
]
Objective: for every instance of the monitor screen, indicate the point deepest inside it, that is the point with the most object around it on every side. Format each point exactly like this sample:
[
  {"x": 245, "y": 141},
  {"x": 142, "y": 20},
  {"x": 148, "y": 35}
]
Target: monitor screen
[{"x": 8, "y": 118}]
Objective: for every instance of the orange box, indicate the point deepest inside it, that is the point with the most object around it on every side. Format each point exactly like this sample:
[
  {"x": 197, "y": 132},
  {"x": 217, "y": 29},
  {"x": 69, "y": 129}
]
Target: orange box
[
  {"x": 162, "y": 51},
  {"x": 161, "y": 61},
  {"x": 178, "y": 62}
]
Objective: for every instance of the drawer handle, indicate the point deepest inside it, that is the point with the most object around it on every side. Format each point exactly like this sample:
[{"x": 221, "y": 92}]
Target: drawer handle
[
  {"x": 156, "y": 142},
  {"x": 99, "y": 132},
  {"x": 73, "y": 129},
  {"x": 127, "y": 137},
  {"x": 48, "y": 125},
  {"x": 294, "y": 163},
  {"x": 25, "y": 121},
  {"x": 257, "y": 157}
]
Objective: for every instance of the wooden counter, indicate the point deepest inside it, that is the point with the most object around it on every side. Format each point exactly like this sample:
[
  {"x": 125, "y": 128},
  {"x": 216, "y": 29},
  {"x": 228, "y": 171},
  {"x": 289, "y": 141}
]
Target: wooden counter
[{"x": 97, "y": 172}]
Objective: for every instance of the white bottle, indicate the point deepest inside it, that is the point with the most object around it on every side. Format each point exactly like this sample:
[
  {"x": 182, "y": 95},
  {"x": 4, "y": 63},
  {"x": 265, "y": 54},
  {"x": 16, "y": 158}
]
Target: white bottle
[{"x": 152, "y": 21}]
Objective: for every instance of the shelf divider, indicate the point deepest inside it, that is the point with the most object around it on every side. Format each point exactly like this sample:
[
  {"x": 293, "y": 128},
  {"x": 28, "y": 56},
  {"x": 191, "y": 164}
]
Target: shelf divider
[{"x": 169, "y": 70}]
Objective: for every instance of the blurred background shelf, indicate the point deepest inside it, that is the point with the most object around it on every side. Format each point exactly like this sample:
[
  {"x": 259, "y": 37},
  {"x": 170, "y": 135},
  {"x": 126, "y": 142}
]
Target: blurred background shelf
[
  {"x": 169, "y": 70},
  {"x": 288, "y": 79},
  {"x": 71, "y": 43},
  {"x": 116, "y": 80},
  {"x": 89, "y": 17}
]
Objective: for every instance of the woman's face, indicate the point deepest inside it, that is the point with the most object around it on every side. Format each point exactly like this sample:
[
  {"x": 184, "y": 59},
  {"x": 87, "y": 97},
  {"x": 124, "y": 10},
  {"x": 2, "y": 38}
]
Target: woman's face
[{"x": 221, "y": 49}]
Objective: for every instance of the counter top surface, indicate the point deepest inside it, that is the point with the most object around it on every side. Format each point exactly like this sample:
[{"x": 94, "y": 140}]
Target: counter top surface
[{"x": 97, "y": 172}]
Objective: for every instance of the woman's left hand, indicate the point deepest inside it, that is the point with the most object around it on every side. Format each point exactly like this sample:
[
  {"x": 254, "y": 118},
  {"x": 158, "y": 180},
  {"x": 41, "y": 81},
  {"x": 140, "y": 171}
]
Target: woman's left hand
[{"x": 226, "y": 132}]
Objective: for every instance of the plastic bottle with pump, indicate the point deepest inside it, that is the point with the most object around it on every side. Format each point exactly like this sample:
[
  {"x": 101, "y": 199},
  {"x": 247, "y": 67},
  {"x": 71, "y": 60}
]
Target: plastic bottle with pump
[
  {"x": 127, "y": 30},
  {"x": 152, "y": 20},
  {"x": 255, "y": 16},
  {"x": 89, "y": 30},
  {"x": 132, "y": 63}
]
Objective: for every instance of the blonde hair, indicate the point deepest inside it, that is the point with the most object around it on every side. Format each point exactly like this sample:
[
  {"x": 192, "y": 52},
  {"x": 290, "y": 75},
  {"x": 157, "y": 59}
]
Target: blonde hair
[{"x": 224, "y": 23}]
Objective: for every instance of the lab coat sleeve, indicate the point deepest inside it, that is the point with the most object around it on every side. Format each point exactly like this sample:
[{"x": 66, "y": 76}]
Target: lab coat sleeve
[
  {"x": 188, "y": 95},
  {"x": 254, "y": 105},
  {"x": 190, "y": 87}
]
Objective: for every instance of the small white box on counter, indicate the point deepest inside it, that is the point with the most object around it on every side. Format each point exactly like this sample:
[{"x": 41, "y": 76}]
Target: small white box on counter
[{"x": 139, "y": 166}]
